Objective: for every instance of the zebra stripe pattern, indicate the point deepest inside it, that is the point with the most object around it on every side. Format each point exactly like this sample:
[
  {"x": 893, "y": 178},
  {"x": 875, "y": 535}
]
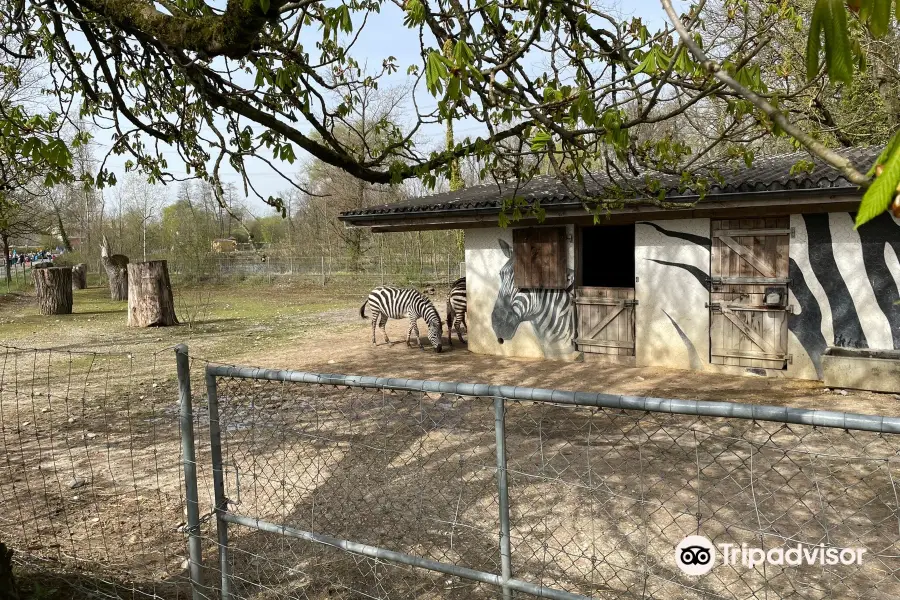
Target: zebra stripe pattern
[
  {"x": 456, "y": 310},
  {"x": 396, "y": 303},
  {"x": 548, "y": 311}
]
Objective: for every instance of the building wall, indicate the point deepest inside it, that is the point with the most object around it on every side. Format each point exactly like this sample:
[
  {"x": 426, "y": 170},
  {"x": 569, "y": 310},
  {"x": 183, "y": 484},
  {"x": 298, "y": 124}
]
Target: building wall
[
  {"x": 671, "y": 319},
  {"x": 533, "y": 323},
  {"x": 844, "y": 286}
]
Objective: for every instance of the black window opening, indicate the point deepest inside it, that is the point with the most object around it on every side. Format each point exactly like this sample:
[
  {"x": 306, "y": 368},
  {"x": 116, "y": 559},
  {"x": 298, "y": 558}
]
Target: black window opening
[{"x": 607, "y": 256}]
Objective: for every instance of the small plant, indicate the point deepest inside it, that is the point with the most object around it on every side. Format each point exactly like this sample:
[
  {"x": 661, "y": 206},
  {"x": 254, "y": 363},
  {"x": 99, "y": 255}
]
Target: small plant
[{"x": 194, "y": 305}]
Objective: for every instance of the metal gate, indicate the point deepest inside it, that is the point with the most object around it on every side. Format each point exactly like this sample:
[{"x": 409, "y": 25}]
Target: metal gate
[
  {"x": 749, "y": 291},
  {"x": 605, "y": 320}
]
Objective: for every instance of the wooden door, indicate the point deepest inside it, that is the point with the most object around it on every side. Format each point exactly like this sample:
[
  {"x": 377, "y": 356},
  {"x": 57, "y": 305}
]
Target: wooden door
[
  {"x": 605, "y": 320},
  {"x": 749, "y": 291}
]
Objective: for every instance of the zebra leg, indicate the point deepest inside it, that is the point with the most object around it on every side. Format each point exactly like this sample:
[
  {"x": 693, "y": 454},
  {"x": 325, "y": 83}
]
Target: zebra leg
[
  {"x": 450, "y": 325},
  {"x": 458, "y": 332},
  {"x": 383, "y": 324},
  {"x": 374, "y": 319}
]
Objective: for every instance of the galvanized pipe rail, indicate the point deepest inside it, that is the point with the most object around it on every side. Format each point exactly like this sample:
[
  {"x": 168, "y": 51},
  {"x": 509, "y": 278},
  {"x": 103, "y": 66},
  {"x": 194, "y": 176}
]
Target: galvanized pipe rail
[
  {"x": 704, "y": 408},
  {"x": 500, "y": 395}
]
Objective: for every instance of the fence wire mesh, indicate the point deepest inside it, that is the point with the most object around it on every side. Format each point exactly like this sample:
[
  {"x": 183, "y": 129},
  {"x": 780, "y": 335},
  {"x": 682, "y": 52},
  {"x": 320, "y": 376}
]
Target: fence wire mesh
[
  {"x": 91, "y": 482},
  {"x": 599, "y": 498},
  {"x": 93, "y": 496}
]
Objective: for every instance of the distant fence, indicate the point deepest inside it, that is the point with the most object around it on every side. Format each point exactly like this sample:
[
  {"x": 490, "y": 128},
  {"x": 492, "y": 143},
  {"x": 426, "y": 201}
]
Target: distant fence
[
  {"x": 438, "y": 269},
  {"x": 121, "y": 479}
]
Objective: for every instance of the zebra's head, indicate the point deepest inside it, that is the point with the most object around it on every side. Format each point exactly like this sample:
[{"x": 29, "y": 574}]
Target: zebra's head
[
  {"x": 505, "y": 319},
  {"x": 435, "y": 327}
]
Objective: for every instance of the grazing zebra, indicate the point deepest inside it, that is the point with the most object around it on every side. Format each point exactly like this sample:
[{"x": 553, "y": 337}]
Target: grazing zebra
[
  {"x": 456, "y": 309},
  {"x": 548, "y": 311},
  {"x": 395, "y": 303}
]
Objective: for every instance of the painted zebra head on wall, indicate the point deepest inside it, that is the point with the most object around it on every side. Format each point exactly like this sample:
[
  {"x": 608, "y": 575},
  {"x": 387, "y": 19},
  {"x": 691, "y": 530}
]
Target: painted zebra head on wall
[{"x": 548, "y": 311}]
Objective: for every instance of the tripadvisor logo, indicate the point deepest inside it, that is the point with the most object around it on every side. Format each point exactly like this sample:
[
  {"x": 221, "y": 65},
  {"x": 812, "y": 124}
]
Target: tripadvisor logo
[{"x": 696, "y": 555}]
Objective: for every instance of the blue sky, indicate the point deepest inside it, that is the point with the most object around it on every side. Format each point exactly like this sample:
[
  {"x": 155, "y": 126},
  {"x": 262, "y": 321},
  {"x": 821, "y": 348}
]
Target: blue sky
[{"x": 383, "y": 36}]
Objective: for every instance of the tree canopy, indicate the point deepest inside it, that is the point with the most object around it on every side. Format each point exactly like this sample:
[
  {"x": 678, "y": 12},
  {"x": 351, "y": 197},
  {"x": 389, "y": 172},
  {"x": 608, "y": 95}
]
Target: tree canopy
[{"x": 570, "y": 88}]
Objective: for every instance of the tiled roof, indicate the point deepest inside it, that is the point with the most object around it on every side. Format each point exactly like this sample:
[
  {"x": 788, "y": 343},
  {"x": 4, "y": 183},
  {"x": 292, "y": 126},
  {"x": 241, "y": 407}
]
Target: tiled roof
[{"x": 770, "y": 174}]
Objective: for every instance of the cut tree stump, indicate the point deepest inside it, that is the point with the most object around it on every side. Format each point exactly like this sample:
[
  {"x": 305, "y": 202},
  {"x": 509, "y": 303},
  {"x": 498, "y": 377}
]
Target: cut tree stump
[
  {"x": 150, "y": 302},
  {"x": 116, "y": 266},
  {"x": 54, "y": 290},
  {"x": 79, "y": 276}
]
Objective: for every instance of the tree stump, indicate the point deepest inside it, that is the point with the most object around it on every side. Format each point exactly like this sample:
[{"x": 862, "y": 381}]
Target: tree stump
[
  {"x": 150, "y": 302},
  {"x": 79, "y": 276},
  {"x": 116, "y": 267},
  {"x": 54, "y": 290}
]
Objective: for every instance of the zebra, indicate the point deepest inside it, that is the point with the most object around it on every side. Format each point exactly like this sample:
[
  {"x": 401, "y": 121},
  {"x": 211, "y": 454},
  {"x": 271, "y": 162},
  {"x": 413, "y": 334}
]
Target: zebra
[
  {"x": 456, "y": 310},
  {"x": 395, "y": 303},
  {"x": 548, "y": 311}
]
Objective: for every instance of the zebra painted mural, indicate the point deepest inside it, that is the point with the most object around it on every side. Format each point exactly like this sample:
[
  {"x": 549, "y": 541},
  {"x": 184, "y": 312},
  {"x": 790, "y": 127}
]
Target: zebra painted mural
[
  {"x": 548, "y": 311},
  {"x": 844, "y": 285}
]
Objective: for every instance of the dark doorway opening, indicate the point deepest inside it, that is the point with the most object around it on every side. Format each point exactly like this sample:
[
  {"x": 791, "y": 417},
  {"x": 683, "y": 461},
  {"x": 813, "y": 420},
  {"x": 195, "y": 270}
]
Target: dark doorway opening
[{"x": 607, "y": 256}]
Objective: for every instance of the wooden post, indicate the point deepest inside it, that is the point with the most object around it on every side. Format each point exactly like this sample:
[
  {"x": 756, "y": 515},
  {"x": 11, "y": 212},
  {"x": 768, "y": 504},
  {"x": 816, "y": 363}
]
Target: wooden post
[
  {"x": 54, "y": 290},
  {"x": 116, "y": 267},
  {"x": 150, "y": 302},
  {"x": 79, "y": 276}
]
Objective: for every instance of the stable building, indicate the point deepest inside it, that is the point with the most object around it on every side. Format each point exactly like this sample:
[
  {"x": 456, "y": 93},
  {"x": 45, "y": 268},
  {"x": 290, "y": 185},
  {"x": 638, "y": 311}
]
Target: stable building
[{"x": 764, "y": 272}]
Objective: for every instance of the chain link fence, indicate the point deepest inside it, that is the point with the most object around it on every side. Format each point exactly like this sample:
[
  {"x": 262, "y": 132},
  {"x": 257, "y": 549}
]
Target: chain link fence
[
  {"x": 119, "y": 481},
  {"x": 373, "y": 270},
  {"x": 357, "y": 487},
  {"x": 92, "y": 495}
]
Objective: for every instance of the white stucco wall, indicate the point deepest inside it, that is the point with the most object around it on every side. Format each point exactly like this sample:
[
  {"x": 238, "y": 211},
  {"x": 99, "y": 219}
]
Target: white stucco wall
[
  {"x": 485, "y": 258},
  {"x": 672, "y": 321}
]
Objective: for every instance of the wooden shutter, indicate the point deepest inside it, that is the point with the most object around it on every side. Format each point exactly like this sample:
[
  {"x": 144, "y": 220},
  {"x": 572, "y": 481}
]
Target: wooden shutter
[{"x": 540, "y": 257}]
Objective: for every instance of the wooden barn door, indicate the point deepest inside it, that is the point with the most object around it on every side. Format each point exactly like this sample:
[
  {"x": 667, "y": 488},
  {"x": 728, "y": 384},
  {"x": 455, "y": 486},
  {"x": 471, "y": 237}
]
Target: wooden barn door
[
  {"x": 605, "y": 320},
  {"x": 748, "y": 293}
]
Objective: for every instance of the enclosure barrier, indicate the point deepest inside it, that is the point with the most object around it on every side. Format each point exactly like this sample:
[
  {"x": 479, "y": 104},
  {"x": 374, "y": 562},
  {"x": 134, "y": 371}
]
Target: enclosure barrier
[
  {"x": 397, "y": 488},
  {"x": 96, "y": 472}
]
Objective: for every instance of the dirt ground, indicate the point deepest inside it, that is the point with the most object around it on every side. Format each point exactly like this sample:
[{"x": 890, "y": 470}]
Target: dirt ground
[
  {"x": 315, "y": 329},
  {"x": 92, "y": 460}
]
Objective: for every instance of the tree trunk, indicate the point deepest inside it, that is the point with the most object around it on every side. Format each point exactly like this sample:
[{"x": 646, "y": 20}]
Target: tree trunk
[
  {"x": 79, "y": 276},
  {"x": 8, "y": 589},
  {"x": 54, "y": 290},
  {"x": 6, "y": 266},
  {"x": 150, "y": 302},
  {"x": 116, "y": 267}
]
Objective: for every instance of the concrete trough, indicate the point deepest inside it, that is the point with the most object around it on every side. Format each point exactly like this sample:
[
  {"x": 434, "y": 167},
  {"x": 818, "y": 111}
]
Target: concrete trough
[{"x": 862, "y": 369}]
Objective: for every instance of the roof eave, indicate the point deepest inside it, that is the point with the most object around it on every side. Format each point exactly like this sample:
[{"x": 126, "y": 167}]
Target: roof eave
[{"x": 451, "y": 215}]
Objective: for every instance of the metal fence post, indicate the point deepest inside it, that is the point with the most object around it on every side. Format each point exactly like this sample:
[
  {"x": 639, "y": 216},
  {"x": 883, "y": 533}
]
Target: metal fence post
[
  {"x": 503, "y": 492},
  {"x": 323, "y": 270},
  {"x": 189, "y": 460},
  {"x": 215, "y": 437}
]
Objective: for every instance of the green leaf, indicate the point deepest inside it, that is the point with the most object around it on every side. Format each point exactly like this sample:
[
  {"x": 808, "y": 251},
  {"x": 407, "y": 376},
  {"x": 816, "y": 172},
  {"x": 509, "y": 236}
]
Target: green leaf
[
  {"x": 540, "y": 140},
  {"x": 879, "y": 21},
  {"x": 462, "y": 54},
  {"x": 892, "y": 146},
  {"x": 435, "y": 72},
  {"x": 879, "y": 195},
  {"x": 264, "y": 5},
  {"x": 838, "y": 52}
]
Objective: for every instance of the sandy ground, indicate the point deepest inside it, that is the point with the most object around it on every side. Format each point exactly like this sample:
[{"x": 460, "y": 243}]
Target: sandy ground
[
  {"x": 351, "y": 352},
  {"x": 92, "y": 456}
]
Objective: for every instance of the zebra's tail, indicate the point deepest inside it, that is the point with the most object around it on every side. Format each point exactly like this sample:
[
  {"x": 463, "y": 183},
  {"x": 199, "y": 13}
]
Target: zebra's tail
[{"x": 362, "y": 309}]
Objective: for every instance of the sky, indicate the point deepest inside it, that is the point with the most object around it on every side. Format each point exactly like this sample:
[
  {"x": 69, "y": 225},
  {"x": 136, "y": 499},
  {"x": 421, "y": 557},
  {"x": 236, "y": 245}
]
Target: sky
[{"x": 384, "y": 35}]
